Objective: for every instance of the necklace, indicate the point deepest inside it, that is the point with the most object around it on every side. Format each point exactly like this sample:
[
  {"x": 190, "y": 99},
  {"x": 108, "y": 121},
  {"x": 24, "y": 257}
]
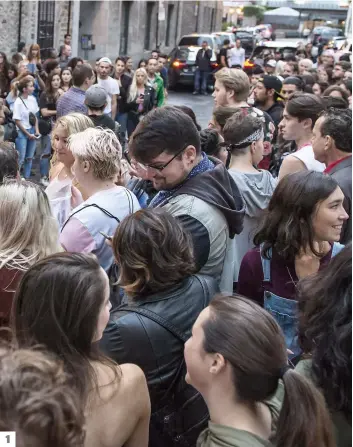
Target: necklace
[{"x": 294, "y": 283}]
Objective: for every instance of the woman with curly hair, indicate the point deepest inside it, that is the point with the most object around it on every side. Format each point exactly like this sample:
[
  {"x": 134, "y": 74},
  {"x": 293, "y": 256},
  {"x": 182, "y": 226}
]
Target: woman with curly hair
[
  {"x": 37, "y": 400},
  {"x": 325, "y": 335},
  {"x": 298, "y": 236}
]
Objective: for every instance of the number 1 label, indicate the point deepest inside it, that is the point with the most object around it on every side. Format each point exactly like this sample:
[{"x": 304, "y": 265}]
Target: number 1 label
[{"x": 7, "y": 439}]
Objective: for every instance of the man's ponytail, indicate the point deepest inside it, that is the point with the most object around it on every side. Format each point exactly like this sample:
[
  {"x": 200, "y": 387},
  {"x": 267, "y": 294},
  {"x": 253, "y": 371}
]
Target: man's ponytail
[{"x": 304, "y": 419}]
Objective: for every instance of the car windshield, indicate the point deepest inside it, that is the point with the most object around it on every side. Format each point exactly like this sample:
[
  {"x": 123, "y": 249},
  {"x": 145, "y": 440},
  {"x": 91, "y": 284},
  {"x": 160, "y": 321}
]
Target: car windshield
[
  {"x": 331, "y": 32},
  {"x": 195, "y": 41},
  {"x": 188, "y": 55},
  {"x": 241, "y": 34}
]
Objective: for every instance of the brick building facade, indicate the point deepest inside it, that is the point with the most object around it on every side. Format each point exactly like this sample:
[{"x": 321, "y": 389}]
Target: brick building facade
[{"x": 113, "y": 27}]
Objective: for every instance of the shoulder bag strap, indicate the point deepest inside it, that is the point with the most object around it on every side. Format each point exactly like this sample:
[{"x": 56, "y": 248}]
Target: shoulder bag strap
[
  {"x": 159, "y": 320},
  {"x": 87, "y": 206},
  {"x": 206, "y": 290},
  {"x": 23, "y": 102}
]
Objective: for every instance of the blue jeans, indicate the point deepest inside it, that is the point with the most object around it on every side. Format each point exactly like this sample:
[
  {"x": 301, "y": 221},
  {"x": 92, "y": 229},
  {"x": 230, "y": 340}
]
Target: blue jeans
[
  {"x": 201, "y": 77},
  {"x": 26, "y": 149},
  {"x": 121, "y": 118},
  {"x": 45, "y": 149}
]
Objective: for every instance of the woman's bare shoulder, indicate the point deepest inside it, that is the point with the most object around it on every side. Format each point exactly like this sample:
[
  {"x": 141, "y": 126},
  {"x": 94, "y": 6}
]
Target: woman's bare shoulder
[{"x": 122, "y": 380}]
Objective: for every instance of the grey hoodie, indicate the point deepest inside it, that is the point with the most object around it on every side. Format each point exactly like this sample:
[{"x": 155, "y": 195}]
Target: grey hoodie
[{"x": 256, "y": 190}]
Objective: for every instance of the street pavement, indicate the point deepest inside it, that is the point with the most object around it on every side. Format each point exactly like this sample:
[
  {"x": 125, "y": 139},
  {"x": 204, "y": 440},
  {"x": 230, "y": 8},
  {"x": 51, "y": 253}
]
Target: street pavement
[{"x": 201, "y": 105}]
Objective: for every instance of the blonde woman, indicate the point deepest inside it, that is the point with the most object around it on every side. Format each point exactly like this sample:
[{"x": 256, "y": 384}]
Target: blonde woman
[
  {"x": 140, "y": 100},
  {"x": 28, "y": 233},
  {"x": 97, "y": 155},
  {"x": 62, "y": 190}
]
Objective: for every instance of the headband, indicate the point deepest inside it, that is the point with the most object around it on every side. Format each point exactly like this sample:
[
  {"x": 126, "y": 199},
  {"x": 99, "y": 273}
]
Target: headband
[{"x": 255, "y": 136}]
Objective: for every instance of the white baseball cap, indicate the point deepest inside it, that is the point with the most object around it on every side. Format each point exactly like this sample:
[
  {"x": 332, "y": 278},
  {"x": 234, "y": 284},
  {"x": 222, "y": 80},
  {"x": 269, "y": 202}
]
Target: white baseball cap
[{"x": 106, "y": 60}]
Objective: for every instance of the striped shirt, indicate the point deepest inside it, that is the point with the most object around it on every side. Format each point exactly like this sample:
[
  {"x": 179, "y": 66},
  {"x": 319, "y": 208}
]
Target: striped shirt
[{"x": 71, "y": 101}]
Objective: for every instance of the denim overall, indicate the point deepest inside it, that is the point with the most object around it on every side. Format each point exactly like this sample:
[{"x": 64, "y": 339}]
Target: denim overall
[{"x": 284, "y": 310}]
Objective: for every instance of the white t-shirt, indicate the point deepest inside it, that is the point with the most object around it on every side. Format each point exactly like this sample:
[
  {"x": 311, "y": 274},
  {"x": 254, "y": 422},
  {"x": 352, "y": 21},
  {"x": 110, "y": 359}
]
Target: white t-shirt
[
  {"x": 306, "y": 155},
  {"x": 21, "y": 113},
  {"x": 237, "y": 56},
  {"x": 111, "y": 86}
]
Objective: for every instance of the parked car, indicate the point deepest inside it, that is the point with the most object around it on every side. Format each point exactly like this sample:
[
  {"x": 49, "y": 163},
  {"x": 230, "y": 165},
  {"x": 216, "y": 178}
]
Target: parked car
[
  {"x": 182, "y": 66},
  {"x": 247, "y": 40},
  {"x": 195, "y": 40},
  {"x": 222, "y": 36},
  {"x": 322, "y": 35},
  {"x": 330, "y": 36},
  {"x": 267, "y": 51}
]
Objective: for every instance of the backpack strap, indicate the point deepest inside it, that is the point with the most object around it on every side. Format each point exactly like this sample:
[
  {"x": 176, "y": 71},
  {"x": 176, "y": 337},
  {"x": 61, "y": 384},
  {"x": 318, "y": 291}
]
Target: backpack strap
[
  {"x": 159, "y": 320},
  {"x": 107, "y": 213}
]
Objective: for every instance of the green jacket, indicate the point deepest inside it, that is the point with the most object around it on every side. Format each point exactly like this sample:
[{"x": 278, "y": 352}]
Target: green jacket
[
  {"x": 158, "y": 85},
  {"x": 221, "y": 436}
]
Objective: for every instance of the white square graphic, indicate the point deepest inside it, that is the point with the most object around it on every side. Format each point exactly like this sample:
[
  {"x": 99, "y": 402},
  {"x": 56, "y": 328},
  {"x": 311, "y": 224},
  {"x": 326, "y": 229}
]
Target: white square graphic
[{"x": 7, "y": 439}]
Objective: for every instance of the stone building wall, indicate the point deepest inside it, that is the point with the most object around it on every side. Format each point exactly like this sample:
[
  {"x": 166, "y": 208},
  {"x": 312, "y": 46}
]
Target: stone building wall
[
  {"x": 104, "y": 19},
  {"x": 9, "y": 24}
]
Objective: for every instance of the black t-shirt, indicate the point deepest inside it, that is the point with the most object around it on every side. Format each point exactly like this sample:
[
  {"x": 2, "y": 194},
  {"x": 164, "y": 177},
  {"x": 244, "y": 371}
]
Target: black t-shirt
[
  {"x": 103, "y": 121},
  {"x": 47, "y": 102},
  {"x": 223, "y": 52}
]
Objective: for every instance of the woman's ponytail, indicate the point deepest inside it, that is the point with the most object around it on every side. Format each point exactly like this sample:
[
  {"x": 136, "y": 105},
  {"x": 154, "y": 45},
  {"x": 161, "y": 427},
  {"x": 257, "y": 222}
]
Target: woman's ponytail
[{"x": 304, "y": 419}]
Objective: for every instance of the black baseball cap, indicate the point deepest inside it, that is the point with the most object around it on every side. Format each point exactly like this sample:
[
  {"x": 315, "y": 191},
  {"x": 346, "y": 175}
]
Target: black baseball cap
[{"x": 272, "y": 82}]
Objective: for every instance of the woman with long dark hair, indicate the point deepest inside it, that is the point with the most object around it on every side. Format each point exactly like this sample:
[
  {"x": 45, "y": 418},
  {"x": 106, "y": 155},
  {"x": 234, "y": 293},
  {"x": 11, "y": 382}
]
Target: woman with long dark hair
[
  {"x": 235, "y": 358},
  {"x": 62, "y": 303},
  {"x": 47, "y": 105},
  {"x": 4, "y": 75},
  {"x": 298, "y": 236},
  {"x": 160, "y": 294},
  {"x": 74, "y": 62},
  {"x": 66, "y": 79},
  {"x": 325, "y": 335}
]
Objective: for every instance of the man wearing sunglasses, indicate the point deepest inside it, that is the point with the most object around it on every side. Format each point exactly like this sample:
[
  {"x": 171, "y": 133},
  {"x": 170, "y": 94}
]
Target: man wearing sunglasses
[{"x": 165, "y": 149}]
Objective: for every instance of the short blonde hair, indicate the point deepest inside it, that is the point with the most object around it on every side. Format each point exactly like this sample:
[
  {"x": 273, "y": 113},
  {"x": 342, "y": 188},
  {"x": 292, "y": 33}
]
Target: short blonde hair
[
  {"x": 101, "y": 148},
  {"x": 28, "y": 231},
  {"x": 236, "y": 80}
]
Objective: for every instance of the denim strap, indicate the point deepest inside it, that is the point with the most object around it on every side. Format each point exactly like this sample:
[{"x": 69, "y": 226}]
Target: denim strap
[{"x": 266, "y": 265}]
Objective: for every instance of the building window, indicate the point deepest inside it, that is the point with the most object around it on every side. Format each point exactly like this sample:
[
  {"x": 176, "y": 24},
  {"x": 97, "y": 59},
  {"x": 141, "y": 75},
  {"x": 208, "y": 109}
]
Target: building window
[
  {"x": 149, "y": 15},
  {"x": 212, "y": 20},
  {"x": 45, "y": 32},
  {"x": 125, "y": 18},
  {"x": 169, "y": 24}
]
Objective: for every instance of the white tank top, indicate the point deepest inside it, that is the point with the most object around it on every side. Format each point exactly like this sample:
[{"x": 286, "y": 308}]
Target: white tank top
[{"x": 306, "y": 155}]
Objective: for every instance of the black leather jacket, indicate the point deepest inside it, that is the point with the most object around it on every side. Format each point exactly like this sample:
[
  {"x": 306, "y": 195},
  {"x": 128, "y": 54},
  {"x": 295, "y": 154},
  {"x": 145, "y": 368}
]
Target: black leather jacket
[{"x": 133, "y": 338}]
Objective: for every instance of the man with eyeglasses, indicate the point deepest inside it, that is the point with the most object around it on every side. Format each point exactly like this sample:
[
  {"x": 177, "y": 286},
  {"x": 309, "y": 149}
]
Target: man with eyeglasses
[{"x": 165, "y": 149}]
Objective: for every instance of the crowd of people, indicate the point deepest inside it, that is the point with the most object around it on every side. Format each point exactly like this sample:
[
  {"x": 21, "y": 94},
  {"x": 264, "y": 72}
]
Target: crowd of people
[{"x": 168, "y": 285}]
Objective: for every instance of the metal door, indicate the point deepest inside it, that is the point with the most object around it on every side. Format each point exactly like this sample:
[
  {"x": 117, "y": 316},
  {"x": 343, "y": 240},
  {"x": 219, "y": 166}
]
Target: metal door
[{"x": 45, "y": 33}]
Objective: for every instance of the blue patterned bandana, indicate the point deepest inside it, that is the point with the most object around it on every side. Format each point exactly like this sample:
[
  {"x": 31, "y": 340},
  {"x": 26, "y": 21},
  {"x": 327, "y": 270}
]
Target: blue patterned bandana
[{"x": 204, "y": 165}]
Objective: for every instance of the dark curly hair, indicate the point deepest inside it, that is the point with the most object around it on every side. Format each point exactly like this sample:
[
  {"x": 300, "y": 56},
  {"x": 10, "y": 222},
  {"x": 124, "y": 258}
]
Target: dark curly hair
[
  {"x": 287, "y": 223},
  {"x": 153, "y": 252},
  {"x": 338, "y": 125},
  {"x": 210, "y": 141},
  {"x": 325, "y": 329}
]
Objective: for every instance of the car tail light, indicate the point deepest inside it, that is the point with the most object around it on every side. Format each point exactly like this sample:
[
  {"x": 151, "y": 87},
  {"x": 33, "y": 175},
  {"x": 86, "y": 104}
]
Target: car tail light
[
  {"x": 179, "y": 64},
  {"x": 214, "y": 65}
]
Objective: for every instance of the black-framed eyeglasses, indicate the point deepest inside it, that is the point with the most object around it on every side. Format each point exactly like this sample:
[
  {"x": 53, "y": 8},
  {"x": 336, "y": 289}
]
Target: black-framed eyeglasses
[{"x": 145, "y": 167}]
